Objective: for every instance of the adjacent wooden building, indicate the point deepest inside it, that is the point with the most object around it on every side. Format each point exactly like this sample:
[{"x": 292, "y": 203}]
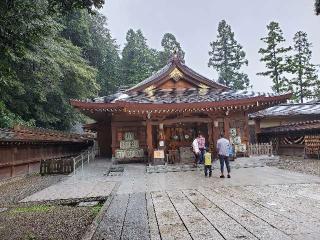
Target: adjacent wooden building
[
  {"x": 167, "y": 110},
  {"x": 294, "y": 129}
]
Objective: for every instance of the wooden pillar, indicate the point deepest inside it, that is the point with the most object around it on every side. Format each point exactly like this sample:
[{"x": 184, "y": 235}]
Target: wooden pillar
[
  {"x": 257, "y": 128},
  {"x": 210, "y": 134},
  {"x": 149, "y": 139},
  {"x": 246, "y": 128},
  {"x": 226, "y": 124},
  {"x": 114, "y": 138}
]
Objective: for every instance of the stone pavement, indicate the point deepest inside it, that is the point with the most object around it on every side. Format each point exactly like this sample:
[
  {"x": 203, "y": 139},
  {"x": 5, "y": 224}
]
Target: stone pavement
[
  {"x": 89, "y": 183},
  {"x": 258, "y": 202}
]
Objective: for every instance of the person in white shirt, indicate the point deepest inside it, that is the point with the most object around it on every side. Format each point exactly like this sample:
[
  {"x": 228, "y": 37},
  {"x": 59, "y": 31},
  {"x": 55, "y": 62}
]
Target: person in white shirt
[
  {"x": 223, "y": 147},
  {"x": 196, "y": 150}
]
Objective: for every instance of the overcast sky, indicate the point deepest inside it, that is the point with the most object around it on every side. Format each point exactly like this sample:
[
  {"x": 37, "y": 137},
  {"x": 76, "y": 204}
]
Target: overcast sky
[{"x": 194, "y": 23}]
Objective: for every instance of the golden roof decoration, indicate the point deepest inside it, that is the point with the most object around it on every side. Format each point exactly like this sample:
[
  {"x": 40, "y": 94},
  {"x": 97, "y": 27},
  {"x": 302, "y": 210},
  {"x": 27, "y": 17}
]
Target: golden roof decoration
[
  {"x": 203, "y": 86},
  {"x": 203, "y": 89},
  {"x": 176, "y": 74},
  {"x": 149, "y": 90}
]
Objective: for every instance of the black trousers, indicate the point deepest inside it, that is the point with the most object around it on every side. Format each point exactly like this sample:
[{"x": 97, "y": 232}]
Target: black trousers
[{"x": 208, "y": 168}]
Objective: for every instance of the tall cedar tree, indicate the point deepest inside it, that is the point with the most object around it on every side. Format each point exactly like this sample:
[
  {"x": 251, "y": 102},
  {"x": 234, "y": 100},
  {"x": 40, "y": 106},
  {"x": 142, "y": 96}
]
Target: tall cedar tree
[
  {"x": 170, "y": 46},
  {"x": 305, "y": 80},
  {"x": 138, "y": 60},
  {"x": 274, "y": 56},
  {"x": 227, "y": 58}
]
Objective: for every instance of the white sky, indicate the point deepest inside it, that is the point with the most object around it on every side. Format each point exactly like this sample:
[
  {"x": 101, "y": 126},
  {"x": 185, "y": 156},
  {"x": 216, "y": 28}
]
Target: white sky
[{"x": 194, "y": 23}]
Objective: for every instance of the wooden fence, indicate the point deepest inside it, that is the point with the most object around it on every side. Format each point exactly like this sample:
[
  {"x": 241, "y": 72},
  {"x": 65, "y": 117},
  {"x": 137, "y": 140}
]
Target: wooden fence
[
  {"x": 260, "y": 149},
  {"x": 56, "y": 166},
  {"x": 67, "y": 165}
]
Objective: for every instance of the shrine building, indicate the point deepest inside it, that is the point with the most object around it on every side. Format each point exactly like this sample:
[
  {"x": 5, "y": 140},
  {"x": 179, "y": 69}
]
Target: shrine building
[{"x": 166, "y": 112}]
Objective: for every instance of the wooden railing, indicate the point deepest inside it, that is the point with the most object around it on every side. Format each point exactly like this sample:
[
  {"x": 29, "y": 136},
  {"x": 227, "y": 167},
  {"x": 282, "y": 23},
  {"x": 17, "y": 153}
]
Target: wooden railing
[
  {"x": 260, "y": 149},
  {"x": 83, "y": 158}
]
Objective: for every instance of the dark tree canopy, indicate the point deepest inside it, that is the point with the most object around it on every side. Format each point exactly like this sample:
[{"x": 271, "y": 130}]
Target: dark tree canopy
[
  {"x": 227, "y": 57},
  {"x": 317, "y": 7}
]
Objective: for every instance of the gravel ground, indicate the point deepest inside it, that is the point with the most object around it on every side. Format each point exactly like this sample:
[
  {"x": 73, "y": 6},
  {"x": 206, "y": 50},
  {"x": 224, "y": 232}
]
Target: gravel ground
[
  {"x": 15, "y": 189},
  {"x": 39, "y": 222},
  {"x": 297, "y": 164},
  {"x": 45, "y": 222}
]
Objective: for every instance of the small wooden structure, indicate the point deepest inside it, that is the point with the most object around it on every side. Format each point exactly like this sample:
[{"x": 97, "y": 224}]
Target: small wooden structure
[
  {"x": 298, "y": 139},
  {"x": 166, "y": 111},
  {"x": 22, "y": 149}
]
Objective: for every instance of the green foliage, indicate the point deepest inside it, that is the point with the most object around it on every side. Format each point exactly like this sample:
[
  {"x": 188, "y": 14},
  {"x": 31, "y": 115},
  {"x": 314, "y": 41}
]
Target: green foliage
[
  {"x": 69, "y": 5},
  {"x": 305, "y": 78},
  {"x": 39, "y": 70},
  {"x": 90, "y": 33},
  {"x": 170, "y": 46},
  {"x": 104, "y": 55},
  {"x": 274, "y": 56},
  {"x": 138, "y": 60},
  {"x": 227, "y": 58},
  {"x": 9, "y": 119}
]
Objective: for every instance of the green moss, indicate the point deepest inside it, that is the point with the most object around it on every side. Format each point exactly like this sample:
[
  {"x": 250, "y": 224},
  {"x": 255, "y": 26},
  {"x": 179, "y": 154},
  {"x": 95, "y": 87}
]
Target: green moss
[
  {"x": 31, "y": 209},
  {"x": 96, "y": 209}
]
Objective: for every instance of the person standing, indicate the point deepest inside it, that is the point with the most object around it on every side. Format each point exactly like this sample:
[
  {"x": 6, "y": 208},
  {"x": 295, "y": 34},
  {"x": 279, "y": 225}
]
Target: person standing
[
  {"x": 223, "y": 148},
  {"x": 196, "y": 151},
  {"x": 207, "y": 163},
  {"x": 202, "y": 145}
]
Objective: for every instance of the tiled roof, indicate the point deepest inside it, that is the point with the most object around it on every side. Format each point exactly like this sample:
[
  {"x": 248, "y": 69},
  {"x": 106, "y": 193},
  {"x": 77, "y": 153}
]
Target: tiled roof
[
  {"x": 39, "y": 135},
  {"x": 153, "y": 76},
  {"x": 311, "y": 108},
  {"x": 175, "y": 62},
  {"x": 194, "y": 95},
  {"x": 293, "y": 127}
]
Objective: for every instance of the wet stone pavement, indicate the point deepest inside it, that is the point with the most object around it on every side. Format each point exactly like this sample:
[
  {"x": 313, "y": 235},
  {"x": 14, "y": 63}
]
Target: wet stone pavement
[{"x": 258, "y": 202}]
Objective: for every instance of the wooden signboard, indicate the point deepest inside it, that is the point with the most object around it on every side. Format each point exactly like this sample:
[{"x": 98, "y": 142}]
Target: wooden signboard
[{"x": 158, "y": 154}]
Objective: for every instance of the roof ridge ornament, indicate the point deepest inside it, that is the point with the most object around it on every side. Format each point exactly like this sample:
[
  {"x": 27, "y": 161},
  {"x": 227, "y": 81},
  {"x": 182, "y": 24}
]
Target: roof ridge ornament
[{"x": 176, "y": 57}]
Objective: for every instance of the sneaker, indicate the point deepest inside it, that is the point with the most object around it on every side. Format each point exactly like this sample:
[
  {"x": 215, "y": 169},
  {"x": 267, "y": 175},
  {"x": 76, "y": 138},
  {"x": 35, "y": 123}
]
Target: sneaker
[
  {"x": 229, "y": 176},
  {"x": 222, "y": 176}
]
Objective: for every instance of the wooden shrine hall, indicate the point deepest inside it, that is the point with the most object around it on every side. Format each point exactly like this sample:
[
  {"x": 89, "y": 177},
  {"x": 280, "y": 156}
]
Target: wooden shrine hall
[{"x": 160, "y": 116}]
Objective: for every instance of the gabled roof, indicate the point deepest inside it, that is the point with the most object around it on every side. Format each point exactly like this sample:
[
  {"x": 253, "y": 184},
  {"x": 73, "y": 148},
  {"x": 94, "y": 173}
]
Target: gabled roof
[
  {"x": 293, "y": 109},
  {"x": 164, "y": 74},
  {"x": 177, "y": 88}
]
